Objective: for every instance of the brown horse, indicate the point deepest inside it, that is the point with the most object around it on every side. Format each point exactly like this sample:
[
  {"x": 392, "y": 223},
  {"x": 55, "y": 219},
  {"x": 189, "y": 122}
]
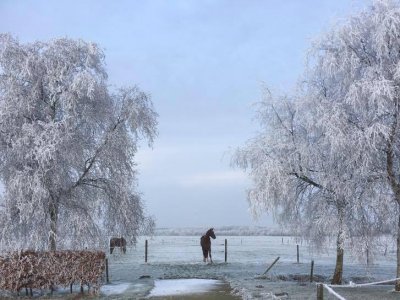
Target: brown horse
[
  {"x": 205, "y": 243},
  {"x": 117, "y": 242}
]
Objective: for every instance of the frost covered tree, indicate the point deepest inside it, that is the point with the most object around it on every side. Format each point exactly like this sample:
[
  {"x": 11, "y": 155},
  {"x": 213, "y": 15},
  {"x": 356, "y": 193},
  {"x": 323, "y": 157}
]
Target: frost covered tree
[
  {"x": 330, "y": 157},
  {"x": 356, "y": 75},
  {"x": 67, "y": 147},
  {"x": 345, "y": 142},
  {"x": 297, "y": 176}
]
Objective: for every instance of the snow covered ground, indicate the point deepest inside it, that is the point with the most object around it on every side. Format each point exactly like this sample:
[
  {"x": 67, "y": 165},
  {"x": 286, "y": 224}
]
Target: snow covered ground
[
  {"x": 172, "y": 287},
  {"x": 179, "y": 257},
  {"x": 175, "y": 267}
]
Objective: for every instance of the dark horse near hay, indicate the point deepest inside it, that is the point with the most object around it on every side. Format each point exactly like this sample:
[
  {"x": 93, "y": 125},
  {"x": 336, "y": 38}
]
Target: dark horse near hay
[
  {"x": 205, "y": 243},
  {"x": 117, "y": 242}
]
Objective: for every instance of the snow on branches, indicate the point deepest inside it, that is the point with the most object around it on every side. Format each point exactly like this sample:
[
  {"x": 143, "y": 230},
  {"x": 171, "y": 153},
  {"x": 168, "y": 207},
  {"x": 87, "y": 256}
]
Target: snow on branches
[
  {"x": 327, "y": 159},
  {"x": 67, "y": 146}
]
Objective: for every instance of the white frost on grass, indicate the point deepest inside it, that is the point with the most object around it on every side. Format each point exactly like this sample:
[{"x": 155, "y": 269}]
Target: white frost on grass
[
  {"x": 111, "y": 289},
  {"x": 169, "y": 287}
]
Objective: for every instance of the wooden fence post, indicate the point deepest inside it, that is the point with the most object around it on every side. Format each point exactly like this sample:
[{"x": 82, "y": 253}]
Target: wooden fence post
[
  {"x": 297, "y": 253},
  {"x": 320, "y": 291},
  {"x": 266, "y": 271},
  {"x": 312, "y": 271},
  {"x": 145, "y": 251},
  {"x": 226, "y": 250},
  {"x": 107, "y": 279}
]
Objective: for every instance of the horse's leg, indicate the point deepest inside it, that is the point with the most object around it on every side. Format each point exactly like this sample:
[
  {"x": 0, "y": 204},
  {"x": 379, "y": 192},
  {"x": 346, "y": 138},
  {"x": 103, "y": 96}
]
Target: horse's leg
[
  {"x": 210, "y": 256},
  {"x": 205, "y": 254},
  {"x": 111, "y": 249}
]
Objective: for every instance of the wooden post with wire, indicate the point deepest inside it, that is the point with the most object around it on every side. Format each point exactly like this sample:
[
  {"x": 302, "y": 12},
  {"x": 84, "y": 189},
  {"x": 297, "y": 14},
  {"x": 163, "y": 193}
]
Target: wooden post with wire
[
  {"x": 226, "y": 250},
  {"x": 107, "y": 279},
  {"x": 269, "y": 268},
  {"x": 320, "y": 291},
  {"x": 297, "y": 253},
  {"x": 312, "y": 271},
  {"x": 145, "y": 251}
]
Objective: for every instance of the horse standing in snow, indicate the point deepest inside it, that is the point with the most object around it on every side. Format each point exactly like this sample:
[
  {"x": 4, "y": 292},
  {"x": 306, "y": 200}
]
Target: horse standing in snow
[
  {"x": 205, "y": 243},
  {"x": 117, "y": 242}
]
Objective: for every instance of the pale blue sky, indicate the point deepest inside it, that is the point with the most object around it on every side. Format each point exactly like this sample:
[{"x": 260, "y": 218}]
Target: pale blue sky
[{"x": 203, "y": 62}]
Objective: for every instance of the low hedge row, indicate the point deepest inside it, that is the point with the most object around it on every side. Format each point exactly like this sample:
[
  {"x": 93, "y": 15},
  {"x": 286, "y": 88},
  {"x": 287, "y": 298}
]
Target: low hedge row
[{"x": 45, "y": 270}]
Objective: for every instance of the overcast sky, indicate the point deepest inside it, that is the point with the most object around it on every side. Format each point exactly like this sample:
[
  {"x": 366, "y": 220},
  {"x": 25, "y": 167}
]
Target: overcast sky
[{"x": 203, "y": 62}]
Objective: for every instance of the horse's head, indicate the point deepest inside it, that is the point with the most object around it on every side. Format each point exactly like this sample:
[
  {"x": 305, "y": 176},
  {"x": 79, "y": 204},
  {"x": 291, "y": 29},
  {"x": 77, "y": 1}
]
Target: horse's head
[{"x": 211, "y": 233}]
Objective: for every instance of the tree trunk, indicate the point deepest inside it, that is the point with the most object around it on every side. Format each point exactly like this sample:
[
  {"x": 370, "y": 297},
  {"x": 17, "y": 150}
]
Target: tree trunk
[
  {"x": 397, "y": 285},
  {"x": 337, "y": 275},
  {"x": 395, "y": 185},
  {"x": 53, "y": 211}
]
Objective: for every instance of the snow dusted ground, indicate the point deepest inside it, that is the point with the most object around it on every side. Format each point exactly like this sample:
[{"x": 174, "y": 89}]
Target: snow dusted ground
[
  {"x": 171, "y": 259},
  {"x": 172, "y": 287},
  {"x": 179, "y": 257}
]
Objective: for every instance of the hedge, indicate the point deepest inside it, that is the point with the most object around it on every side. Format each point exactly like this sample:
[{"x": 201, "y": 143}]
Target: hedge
[{"x": 48, "y": 269}]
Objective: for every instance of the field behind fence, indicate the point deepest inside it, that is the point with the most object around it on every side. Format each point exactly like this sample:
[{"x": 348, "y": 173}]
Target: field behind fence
[
  {"x": 187, "y": 249},
  {"x": 242, "y": 261},
  {"x": 248, "y": 257},
  {"x": 257, "y": 252}
]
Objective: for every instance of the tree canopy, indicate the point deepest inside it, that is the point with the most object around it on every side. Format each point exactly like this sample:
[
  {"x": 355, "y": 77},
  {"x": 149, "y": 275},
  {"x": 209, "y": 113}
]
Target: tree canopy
[
  {"x": 67, "y": 146},
  {"x": 328, "y": 156}
]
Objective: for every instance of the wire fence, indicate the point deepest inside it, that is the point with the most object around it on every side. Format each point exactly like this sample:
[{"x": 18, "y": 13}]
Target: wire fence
[
  {"x": 181, "y": 249},
  {"x": 331, "y": 291},
  {"x": 174, "y": 256},
  {"x": 226, "y": 249}
]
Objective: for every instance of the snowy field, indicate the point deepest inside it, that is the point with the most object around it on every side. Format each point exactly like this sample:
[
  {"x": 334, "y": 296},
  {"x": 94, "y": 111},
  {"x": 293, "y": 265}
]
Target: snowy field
[
  {"x": 175, "y": 270},
  {"x": 179, "y": 257}
]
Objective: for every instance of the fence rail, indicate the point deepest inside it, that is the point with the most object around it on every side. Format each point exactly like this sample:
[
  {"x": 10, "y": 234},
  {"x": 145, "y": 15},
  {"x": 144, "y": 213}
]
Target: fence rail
[
  {"x": 329, "y": 287},
  {"x": 151, "y": 251},
  {"x": 174, "y": 256}
]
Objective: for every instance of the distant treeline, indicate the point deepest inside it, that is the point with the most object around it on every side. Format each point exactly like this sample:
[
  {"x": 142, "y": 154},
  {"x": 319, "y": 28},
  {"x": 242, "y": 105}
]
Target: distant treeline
[{"x": 223, "y": 230}]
